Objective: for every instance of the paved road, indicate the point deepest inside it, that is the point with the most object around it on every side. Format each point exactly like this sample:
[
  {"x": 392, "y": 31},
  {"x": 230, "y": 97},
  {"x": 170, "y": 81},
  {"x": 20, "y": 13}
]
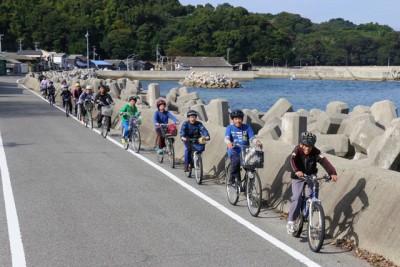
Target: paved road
[{"x": 82, "y": 200}]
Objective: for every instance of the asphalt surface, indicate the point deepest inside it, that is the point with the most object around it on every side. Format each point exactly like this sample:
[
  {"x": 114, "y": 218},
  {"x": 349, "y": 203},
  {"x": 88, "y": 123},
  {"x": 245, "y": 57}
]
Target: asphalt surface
[{"x": 82, "y": 200}]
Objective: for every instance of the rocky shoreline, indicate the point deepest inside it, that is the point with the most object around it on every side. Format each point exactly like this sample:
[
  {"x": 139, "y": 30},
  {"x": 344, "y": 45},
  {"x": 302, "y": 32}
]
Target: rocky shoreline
[{"x": 210, "y": 80}]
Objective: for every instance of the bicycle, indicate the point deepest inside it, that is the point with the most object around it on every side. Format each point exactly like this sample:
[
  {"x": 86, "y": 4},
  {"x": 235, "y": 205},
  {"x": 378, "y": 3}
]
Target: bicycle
[
  {"x": 51, "y": 99},
  {"x": 106, "y": 111},
  {"x": 311, "y": 211},
  {"x": 196, "y": 161},
  {"x": 168, "y": 132},
  {"x": 67, "y": 102},
  {"x": 88, "y": 105},
  {"x": 250, "y": 160},
  {"x": 134, "y": 134}
]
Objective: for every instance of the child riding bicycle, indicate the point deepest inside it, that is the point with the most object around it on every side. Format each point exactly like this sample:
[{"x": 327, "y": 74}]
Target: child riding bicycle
[
  {"x": 192, "y": 129},
  {"x": 85, "y": 97},
  {"x": 303, "y": 161},
  {"x": 43, "y": 86},
  {"x": 51, "y": 90},
  {"x": 241, "y": 134},
  {"x": 66, "y": 96},
  {"x": 127, "y": 111},
  {"x": 161, "y": 116},
  {"x": 102, "y": 99}
]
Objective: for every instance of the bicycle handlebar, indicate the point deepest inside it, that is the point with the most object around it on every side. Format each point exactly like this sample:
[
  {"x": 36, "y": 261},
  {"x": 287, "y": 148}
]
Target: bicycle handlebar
[{"x": 326, "y": 177}]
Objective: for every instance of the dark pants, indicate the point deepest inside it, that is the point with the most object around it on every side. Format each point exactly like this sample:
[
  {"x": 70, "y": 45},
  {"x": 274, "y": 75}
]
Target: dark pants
[
  {"x": 235, "y": 165},
  {"x": 161, "y": 140}
]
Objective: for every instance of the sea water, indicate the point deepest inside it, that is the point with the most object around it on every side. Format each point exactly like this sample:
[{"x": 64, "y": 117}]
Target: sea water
[{"x": 261, "y": 94}]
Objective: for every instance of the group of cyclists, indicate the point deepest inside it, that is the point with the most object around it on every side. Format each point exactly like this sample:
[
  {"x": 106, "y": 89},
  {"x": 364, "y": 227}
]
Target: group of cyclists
[
  {"x": 304, "y": 157},
  {"x": 303, "y": 160}
]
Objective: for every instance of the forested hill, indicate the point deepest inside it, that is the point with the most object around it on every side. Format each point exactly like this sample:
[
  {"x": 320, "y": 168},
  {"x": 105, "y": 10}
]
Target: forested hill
[{"x": 121, "y": 27}]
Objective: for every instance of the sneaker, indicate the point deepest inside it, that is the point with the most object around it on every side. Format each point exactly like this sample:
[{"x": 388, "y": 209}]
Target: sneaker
[
  {"x": 123, "y": 141},
  {"x": 290, "y": 228},
  {"x": 160, "y": 150},
  {"x": 98, "y": 125},
  {"x": 186, "y": 168}
]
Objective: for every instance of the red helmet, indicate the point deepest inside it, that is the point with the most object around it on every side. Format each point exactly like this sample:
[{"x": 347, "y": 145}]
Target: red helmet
[{"x": 160, "y": 102}]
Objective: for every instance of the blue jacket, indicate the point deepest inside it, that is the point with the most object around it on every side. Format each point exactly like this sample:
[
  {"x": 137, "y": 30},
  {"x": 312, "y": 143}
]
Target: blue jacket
[
  {"x": 241, "y": 136},
  {"x": 162, "y": 117},
  {"x": 195, "y": 130}
]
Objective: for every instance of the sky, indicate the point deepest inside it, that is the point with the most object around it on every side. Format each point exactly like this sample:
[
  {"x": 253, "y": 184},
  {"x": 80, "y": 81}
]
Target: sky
[{"x": 384, "y": 12}]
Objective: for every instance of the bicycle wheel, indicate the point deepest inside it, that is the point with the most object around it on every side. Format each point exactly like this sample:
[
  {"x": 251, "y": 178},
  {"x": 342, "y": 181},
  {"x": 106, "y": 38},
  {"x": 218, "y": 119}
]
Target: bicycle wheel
[
  {"x": 104, "y": 127},
  {"x": 86, "y": 119},
  {"x": 90, "y": 119},
  {"x": 232, "y": 190},
  {"x": 298, "y": 225},
  {"x": 79, "y": 114},
  {"x": 160, "y": 156},
  {"x": 136, "y": 141},
  {"x": 253, "y": 193},
  {"x": 198, "y": 168},
  {"x": 171, "y": 154},
  {"x": 316, "y": 227},
  {"x": 67, "y": 109}
]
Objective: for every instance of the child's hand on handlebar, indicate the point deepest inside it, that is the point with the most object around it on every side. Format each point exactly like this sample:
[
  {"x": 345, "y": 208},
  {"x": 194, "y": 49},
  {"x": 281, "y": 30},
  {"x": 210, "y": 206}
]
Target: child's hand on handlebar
[{"x": 299, "y": 174}]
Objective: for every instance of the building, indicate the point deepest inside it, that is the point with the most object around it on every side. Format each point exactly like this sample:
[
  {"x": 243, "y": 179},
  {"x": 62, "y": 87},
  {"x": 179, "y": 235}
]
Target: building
[
  {"x": 60, "y": 60},
  {"x": 100, "y": 64},
  {"x": 118, "y": 64},
  {"x": 141, "y": 65},
  {"x": 201, "y": 63},
  {"x": 243, "y": 66}
]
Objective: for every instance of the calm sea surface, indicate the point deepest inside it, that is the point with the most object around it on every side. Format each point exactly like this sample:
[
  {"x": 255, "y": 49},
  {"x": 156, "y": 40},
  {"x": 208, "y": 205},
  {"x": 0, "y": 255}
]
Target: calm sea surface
[{"x": 261, "y": 94}]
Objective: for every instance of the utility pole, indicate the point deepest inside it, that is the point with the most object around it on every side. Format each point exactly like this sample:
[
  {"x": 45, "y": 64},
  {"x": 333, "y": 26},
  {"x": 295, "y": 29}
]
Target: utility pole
[
  {"x": 87, "y": 49},
  {"x": 227, "y": 54},
  {"x": 1, "y": 35},
  {"x": 36, "y": 45},
  {"x": 94, "y": 52},
  {"x": 20, "y": 44}
]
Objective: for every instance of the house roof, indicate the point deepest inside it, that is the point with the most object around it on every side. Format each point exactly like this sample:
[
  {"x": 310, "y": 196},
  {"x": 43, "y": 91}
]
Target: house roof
[
  {"x": 30, "y": 52},
  {"x": 100, "y": 63},
  {"x": 203, "y": 61},
  {"x": 13, "y": 61},
  {"x": 80, "y": 64},
  {"x": 17, "y": 57},
  {"x": 72, "y": 57}
]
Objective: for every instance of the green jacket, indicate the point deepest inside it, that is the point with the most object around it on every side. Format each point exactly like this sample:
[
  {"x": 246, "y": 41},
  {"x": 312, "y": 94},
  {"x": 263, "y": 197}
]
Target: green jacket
[{"x": 130, "y": 111}]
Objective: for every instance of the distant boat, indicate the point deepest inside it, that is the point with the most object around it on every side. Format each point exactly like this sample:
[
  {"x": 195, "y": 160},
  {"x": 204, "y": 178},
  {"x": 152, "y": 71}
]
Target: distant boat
[{"x": 292, "y": 76}]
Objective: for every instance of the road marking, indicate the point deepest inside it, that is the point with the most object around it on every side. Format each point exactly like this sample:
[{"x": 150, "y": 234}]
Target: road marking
[
  {"x": 14, "y": 234},
  {"x": 277, "y": 243}
]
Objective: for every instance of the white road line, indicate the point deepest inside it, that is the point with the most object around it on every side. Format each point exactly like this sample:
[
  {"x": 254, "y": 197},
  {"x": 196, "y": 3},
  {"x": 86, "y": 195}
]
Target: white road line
[
  {"x": 279, "y": 244},
  {"x": 14, "y": 234}
]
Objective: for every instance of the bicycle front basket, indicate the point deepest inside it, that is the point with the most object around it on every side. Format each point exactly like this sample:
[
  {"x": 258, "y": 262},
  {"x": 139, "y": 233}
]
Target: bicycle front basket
[
  {"x": 133, "y": 122},
  {"x": 252, "y": 158},
  {"x": 106, "y": 111},
  {"x": 168, "y": 130}
]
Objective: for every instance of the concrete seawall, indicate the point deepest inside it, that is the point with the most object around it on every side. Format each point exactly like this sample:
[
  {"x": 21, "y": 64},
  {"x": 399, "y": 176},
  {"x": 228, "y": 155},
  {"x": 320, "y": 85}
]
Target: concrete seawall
[
  {"x": 361, "y": 206},
  {"x": 314, "y": 73}
]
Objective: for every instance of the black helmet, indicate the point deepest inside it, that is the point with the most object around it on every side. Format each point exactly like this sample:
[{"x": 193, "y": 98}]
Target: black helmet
[
  {"x": 308, "y": 138},
  {"x": 237, "y": 113},
  {"x": 191, "y": 113},
  {"x": 132, "y": 98}
]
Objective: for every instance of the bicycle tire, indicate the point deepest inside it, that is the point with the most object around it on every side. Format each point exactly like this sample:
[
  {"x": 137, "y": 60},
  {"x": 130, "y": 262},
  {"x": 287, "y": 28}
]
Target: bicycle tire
[
  {"x": 136, "y": 140},
  {"x": 232, "y": 190},
  {"x": 90, "y": 119},
  {"x": 160, "y": 156},
  {"x": 316, "y": 227},
  {"x": 171, "y": 154},
  {"x": 298, "y": 225},
  {"x": 198, "y": 169},
  {"x": 67, "y": 109},
  {"x": 253, "y": 193},
  {"x": 79, "y": 114},
  {"x": 104, "y": 127}
]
